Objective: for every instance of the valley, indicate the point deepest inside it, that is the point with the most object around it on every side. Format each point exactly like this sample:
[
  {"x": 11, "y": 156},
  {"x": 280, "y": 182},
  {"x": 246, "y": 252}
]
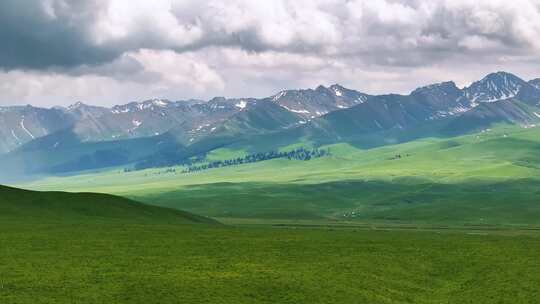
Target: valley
[{"x": 479, "y": 179}]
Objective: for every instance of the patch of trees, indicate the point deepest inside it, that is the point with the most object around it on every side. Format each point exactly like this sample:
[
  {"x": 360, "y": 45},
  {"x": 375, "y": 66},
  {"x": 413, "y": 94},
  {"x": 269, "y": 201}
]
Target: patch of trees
[
  {"x": 298, "y": 154},
  {"x": 166, "y": 171},
  {"x": 398, "y": 156}
]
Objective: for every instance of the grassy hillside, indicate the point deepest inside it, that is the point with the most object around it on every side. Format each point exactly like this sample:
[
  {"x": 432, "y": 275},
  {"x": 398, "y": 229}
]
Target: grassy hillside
[
  {"x": 46, "y": 207},
  {"x": 486, "y": 178},
  {"x": 115, "y": 262},
  {"x": 94, "y": 248}
]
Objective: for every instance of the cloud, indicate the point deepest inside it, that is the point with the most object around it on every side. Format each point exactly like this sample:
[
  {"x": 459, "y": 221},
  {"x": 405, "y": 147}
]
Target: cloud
[
  {"x": 189, "y": 48},
  {"x": 38, "y": 35},
  {"x": 179, "y": 69},
  {"x": 133, "y": 76}
]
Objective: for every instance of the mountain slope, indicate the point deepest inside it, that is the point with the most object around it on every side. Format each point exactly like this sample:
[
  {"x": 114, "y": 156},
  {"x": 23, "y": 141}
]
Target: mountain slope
[
  {"x": 510, "y": 111},
  {"x": 189, "y": 121},
  {"x": 28, "y": 206},
  {"x": 442, "y": 99},
  {"x": 65, "y": 152},
  {"x": 500, "y": 86},
  {"x": 21, "y": 124},
  {"x": 259, "y": 116},
  {"x": 256, "y": 119},
  {"x": 160, "y": 132},
  {"x": 314, "y": 103},
  {"x": 154, "y": 117},
  {"x": 434, "y": 111},
  {"x": 399, "y": 113},
  {"x": 535, "y": 83}
]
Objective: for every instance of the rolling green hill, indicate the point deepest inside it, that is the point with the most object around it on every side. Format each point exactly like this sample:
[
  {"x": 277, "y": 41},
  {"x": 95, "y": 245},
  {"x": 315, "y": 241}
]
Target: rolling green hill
[
  {"x": 46, "y": 207},
  {"x": 440, "y": 155},
  {"x": 418, "y": 222},
  {"x": 94, "y": 248},
  {"x": 487, "y": 178}
]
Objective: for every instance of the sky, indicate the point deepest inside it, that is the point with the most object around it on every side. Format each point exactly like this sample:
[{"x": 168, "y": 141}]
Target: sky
[{"x": 106, "y": 52}]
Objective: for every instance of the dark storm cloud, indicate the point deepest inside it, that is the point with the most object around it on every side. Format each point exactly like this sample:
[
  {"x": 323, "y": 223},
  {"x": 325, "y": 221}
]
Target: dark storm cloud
[{"x": 30, "y": 38}]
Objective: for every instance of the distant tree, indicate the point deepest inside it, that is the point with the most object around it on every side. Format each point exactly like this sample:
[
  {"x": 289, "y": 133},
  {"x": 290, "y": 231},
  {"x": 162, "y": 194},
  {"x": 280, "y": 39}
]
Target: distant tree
[{"x": 297, "y": 154}]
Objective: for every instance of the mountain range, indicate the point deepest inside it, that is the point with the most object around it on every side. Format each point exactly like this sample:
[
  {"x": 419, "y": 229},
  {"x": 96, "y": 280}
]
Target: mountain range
[{"x": 161, "y": 132}]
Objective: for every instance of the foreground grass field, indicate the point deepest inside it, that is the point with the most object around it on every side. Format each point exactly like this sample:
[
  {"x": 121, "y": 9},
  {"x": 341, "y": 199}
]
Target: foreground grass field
[
  {"x": 94, "y": 248},
  {"x": 489, "y": 178},
  {"x": 449, "y": 221},
  {"x": 116, "y": 262}
]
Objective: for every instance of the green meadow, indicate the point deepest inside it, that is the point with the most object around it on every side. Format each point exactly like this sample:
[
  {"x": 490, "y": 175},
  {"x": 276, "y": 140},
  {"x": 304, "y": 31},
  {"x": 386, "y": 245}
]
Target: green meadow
[
  {"x": 438, "y": 220},
  {"x": 488, "y": 178},
  {"x": 92, "y": 248}
]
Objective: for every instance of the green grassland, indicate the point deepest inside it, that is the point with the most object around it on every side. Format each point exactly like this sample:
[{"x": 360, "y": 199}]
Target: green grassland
[
  {"x": 18, "y": 205},
  {"x": 93, "y": 248},
  {"x": 488, "y": 178}
]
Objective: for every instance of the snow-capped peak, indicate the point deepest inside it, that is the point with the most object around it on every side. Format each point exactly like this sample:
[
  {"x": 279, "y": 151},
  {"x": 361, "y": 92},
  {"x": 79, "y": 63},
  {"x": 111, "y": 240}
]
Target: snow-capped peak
[
  {"x": 494, "y": 87},
  {"x": 336, "y": 86}
]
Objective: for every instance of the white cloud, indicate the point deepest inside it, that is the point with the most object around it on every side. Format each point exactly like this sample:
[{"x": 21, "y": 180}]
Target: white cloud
[
  {"x": 188, "y": 48},
  {"x": 157, "y": 73},
  {"x": 142, "y": 23},
  {"x": 179, "y": 69}
]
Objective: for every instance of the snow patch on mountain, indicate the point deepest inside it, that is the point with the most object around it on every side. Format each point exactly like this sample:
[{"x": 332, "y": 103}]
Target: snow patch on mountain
[
  {"x": 120, "y": 110},
  {"x": 241, "y": 105},
  {"x": 451, "y": 112},
  {"x": 15, "y": 136},
  {"x": 494, "y": 87},
  {"x": 279, "y": 95},
  {"x": 360, "y": 99},
  {"x": 159, "y": 103},
  {"x": 199, "y": 128},
  {"x": 26, "y": 130},
  {"x": 295, "y": 111}
]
